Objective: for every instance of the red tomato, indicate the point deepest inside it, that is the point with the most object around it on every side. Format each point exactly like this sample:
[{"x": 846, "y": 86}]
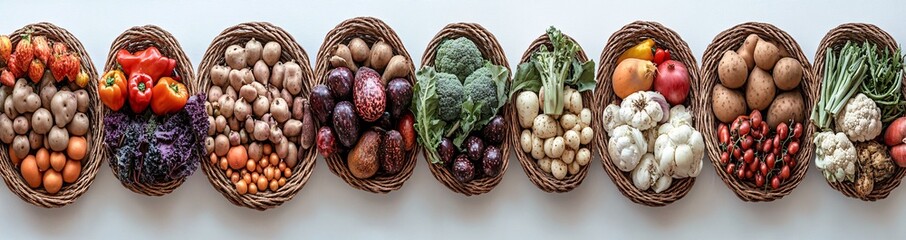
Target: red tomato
[
  {"x": 759, "y": 180},
  {"x": 775, "y": 182},
  {"x": 793, "y": 148},
  {"x": 730, "y": 168},
  {"x": 756, "y": 118},
  {"x": 783, "y": 130},
  {"x": 770, "y": 161},
  {"x": 744, "y": 128},
  {"x": 724, "y": 158},
  {"x": 749, "y": 156},
  {"x": 797, "y": 131},
  {"x": 723, "y": 133},
  {"x": 785, "y": 172}
]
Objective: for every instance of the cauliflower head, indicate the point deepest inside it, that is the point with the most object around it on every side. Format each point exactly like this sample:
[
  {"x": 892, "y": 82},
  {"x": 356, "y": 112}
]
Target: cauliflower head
[
  {"x": 680, "y": 151},
  {"x": 639, "y": 110},
  {"x": 836, "y": 156},
  {"x": 860, "y": 119},
  {"x": 450, "y": 96},
  {"x": 480, "y": 86},
  {"x": 459, "y": 57},
  {"x": 626, "y": 147}
]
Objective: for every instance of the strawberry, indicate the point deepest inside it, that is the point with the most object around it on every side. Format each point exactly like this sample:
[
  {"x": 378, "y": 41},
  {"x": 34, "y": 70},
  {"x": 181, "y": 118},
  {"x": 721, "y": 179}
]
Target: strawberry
[
  {"x": 7, "y": 79},
  {"x": 36, "y": 70},
  {"x": 42, "y": 49},
  {"x": 25, "y": 50}
]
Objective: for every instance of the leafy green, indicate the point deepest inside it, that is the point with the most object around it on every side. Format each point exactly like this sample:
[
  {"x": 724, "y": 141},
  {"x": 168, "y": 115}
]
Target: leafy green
[
  {"x": 430, "y": 129},
  {"x": 468, "y": 121},
  {"x": 527, "y": 78},
  {"x": 555, "y": 67},
  {"x": 885, "y": 70}
]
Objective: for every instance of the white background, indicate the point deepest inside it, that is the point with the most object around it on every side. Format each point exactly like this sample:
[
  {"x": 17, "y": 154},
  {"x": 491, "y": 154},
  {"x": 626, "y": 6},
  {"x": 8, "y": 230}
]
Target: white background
[{"x": 328, "y": 208}]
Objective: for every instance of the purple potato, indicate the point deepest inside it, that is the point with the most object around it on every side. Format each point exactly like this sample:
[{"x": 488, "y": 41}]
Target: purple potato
[
  {"x": 495, "y": 130},
  {"x": 463, "y": 170},
  {"x": 474, "y": 148},
  {"x": 446, "y": 150},
  {"x": 492, "y": 161}
]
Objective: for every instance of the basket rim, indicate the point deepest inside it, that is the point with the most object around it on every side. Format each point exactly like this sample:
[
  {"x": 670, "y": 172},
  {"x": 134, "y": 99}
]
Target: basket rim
[
  {"x": 371, "y": 30},
  {"x": 91, "y": 165},
  {"x": 136, "y": 38},
  {"x": 292, "y": 51},
  {"x": 546, "y": 181},
  {"x": 730, "y": 39},
  {"x": 487, "y": 43},
  {"x": 624, "y": 38},
  {"x": 833, "y": 39}
]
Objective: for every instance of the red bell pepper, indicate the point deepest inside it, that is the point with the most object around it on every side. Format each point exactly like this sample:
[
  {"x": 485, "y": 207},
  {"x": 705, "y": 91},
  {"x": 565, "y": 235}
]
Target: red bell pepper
[
  {"x": 140, "y": 86},
  {"x": 148, "y": 61}
]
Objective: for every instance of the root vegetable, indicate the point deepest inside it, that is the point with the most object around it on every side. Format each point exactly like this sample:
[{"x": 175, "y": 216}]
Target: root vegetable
[
  {"x": 559, "y": 168},
  {"x": 292, "y": 128},
  {"x": 359, "y": 49},
  {"x": 9, "y": 108},
  {"x": 575, "y": 102},
  {"x": 292, "y": 79},
  {"x": 307, "y": 137},
  {"x": 398, "y": 67},
  {"x": 292, "y": 156},
  {"x": 237, "y": 157},
  {"x": 583, "y": 156},
  {"x": 727, "y": 104},
  {"x": 21, "y": 146},
  {"x": 766, "y": 55},
  {"x": 235, "y": 79},
  {"x": 280, "y": 110},
  {"x": 568, "y": 156},
  {"x": 585, "y": 117},
  {"x": 261, "y": 72},
  {"x": 525, "y": 140},
  {"x": 261, "y": 106},
  {"x": 247, "y": 76},
  {"x": 71, "y": 171},
  {"x": 537, "y": 148},
  {"x": 242, "y": 110},
  {"x": 545, "y": 164},
  {"x": 215, "y": 92},
  {"x": 220, "y": 75},
  {"x": 46, "y": 95},
  {"x": 568, "y": 121},
  {"x": 527, "y": 108},
  {"x": 344, "y": 53},
  {"x": 221, "y": 145},
  {"x": 732, "y": 70},
  {"x": 380, "y": 55},
  {"x": 787, "y": 73},
  {"x": 282, "y": 148},
  {"x": 6, "y": 129},
  {"x": 81, "y": 100},
  {"x": 760, "y": 90},
  {"x": 747, "y": 50},
  {"x": 235, "y": 57},
  {"x": 220, "y": 123},
  {"x": 278, "y": 72},
  {"x": 262, "y": 131},
  {"x": 572, "y": 139},
  {"x": 79, "y": 125},
  {"x": 248, "y": 92},
  {"x": 21, "y": 125},
  {"x": 586, "y": 135},
  {"x": 253, "y": 51},
  {"x": 234, "y": 138},
  {"x": 786, "y": 106},
  {"x": 227, "y": 105},
  {"x": 271, "y": 53},
  {"x": 57, "y": 139},
  {"x": 209, "y": 145},
  {"x": 544, "y": 126},
  {"x": 35, "y": 140}
]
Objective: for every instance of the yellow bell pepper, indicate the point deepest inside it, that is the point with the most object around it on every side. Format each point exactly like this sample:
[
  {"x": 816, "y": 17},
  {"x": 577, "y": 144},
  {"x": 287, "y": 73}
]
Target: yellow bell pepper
[{"x": 644, "y": 50}]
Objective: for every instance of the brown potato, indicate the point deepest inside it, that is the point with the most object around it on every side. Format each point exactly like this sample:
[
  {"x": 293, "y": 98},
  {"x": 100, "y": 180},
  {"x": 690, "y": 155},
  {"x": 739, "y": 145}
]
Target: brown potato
[
  {"x": 731, "y": 70},
  {"x": 766, "y": 55},
  {"x": 359, "y": 50},
  {"x": 747, "y": 50},
  {"x": 727, "y": 104},
  {"x": 760, "y": 89},
  {"x": 787, "y": 73},
  {"x": 788, "y": 105}
]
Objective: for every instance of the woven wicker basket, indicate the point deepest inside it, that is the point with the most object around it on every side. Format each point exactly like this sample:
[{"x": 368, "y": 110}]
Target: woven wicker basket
[
  {"x": 623, "y": 39},
  {"x": 731, "y": 39},
  {"x": 492, "y": 51},
  {"x": 90, "y": 165},
  {"x": 835, "y": 39},
  {"x": 135, "y": 39},
  {"x": 371, "y": 30},
  {"x": 546, "y": 181},
  {"x": 240, "y": 34}
]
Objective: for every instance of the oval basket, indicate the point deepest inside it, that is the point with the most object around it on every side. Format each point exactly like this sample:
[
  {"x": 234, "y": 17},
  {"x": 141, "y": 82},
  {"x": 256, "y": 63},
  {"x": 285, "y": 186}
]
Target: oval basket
[
  {"x": 546, "y": 181},
  {"x": 623, "y": 39},
  {"x": 492, "y": 51},
  {"x": 90, "y": 165},
  {"x": 135, "y": 39},
  {"x": 835, "y": 38},
  {"x": 371, "y": 30},
  {"x": 731, "y": 39},
  {"x": 291, "y": 50}
]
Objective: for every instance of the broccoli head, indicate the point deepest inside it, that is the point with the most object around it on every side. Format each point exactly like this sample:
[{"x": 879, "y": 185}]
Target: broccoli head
[
  {"x": 481, "y": 88},
  {"x": 459, "y": 57},
  {"x": 450, "y": 96}
]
